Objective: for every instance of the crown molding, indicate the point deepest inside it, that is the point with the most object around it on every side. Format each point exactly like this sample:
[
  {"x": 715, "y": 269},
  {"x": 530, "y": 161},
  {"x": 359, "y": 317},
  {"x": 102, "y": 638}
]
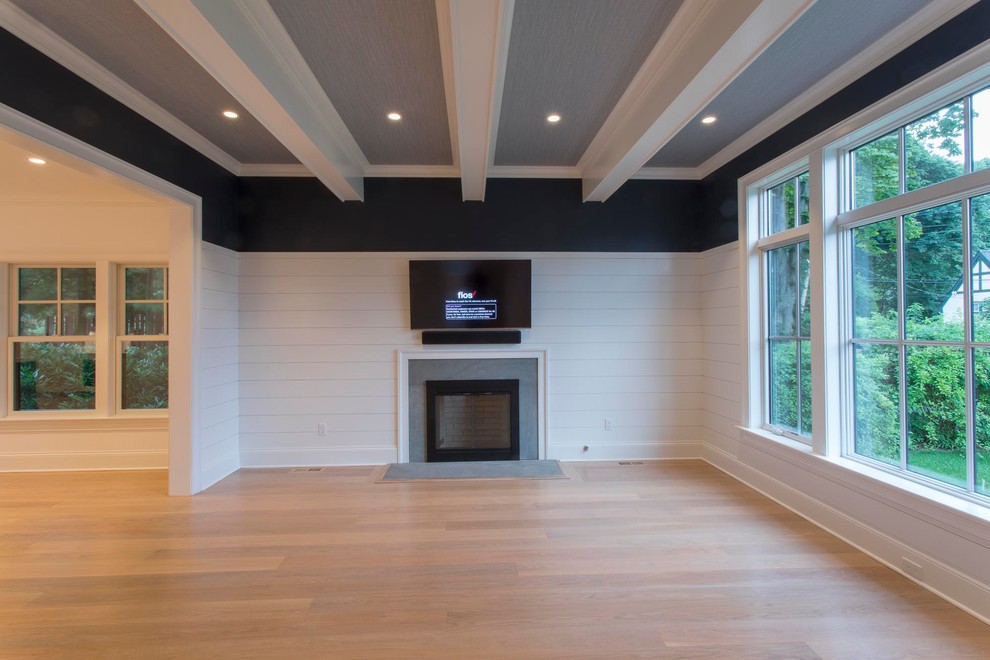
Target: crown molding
[
  {"x": 412, "y": 171},
  {"x": 274, "y": 169},
  {"x": 39, "y": 37},
  {"x": 914, "y": 28},
  {"x": 668, "y": 173},
  {"x": 533, "y": 172}
]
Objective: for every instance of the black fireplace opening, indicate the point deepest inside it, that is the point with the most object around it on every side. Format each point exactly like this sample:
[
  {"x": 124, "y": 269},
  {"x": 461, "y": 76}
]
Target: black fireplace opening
[{"x": 472, "y": 420}]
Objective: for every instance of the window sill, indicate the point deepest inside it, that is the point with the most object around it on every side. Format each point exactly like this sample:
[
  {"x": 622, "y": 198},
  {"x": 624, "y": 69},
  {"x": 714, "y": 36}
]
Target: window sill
[
  {"x": 54, "y": 422},
  {"x": 955, "y": 514}
]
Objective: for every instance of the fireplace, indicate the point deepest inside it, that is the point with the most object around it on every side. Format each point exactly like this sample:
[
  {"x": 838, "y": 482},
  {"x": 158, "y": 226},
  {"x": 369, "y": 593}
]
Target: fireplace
[
  {"x": 418, "y": 367},
  {"x": 472, "y": 420}
]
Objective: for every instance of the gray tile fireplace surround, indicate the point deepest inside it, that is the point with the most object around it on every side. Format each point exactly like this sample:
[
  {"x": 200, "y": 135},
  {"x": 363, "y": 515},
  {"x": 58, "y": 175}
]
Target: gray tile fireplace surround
[{"x": 525, "y": 370}]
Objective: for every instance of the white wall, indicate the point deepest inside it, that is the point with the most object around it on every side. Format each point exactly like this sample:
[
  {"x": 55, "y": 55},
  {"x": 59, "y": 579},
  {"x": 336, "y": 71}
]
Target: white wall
[
  {"x": 85, "y": 232},
  {"x": 719, "y": 274},
  {"x": 948, "y": 541},
  {"x": 219, "y": 371},
  {"x": 319, "y": 335}
]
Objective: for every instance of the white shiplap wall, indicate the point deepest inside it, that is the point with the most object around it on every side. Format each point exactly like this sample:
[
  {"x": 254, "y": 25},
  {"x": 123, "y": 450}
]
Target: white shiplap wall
[
  {"x": 219, "y": 372},
  {"x": 319, "y": 334},
  {"x": 720, "y": 317}
]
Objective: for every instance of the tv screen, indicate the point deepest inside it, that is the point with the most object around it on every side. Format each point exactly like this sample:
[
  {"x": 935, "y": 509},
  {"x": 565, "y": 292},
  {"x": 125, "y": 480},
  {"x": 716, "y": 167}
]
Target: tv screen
[{"x": 492, "y": 293}]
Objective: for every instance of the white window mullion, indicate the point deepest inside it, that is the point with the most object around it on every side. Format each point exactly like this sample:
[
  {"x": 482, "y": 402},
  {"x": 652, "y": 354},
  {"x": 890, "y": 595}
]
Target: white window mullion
[
  {"x": 752, "y": 265},
  {"x": 901, "y": 348},
  {"x": 968, "y": 339},
  {"x": 967, "y": 134},
  {"x": 5, "y": 345},
  {"x": 103, "y": 339},
  {"x": 826, "y": 374}
]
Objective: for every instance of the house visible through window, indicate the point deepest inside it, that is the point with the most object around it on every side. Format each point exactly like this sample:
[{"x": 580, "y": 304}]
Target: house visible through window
[{"x": 920, "y": 300}]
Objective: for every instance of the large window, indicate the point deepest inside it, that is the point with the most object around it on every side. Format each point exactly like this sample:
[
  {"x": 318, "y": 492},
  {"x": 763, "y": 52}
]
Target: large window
[
  {"x": 787, "y": 327},
  {"x": 872, "y": 310},
  {"x": 143, "y": 339},
  {"x": 61, "y": 320},
  {"x": 918, "y": 338},
  {"x": 54, "y": 361}
]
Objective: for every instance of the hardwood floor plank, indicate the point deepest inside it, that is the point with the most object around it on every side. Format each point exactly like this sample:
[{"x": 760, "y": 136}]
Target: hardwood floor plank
[{"x": 660, "y": 560}]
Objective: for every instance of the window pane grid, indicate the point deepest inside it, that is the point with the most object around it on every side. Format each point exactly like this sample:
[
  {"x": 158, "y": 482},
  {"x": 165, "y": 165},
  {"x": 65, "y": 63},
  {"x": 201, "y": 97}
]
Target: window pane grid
[
  {"x": 944, "y": 144},
  {"x": 788, "y": 364},
  {"x": 142, "y": 341},
  {"x": 941, "y": 380},
  {"x": 56, "y": 301}
]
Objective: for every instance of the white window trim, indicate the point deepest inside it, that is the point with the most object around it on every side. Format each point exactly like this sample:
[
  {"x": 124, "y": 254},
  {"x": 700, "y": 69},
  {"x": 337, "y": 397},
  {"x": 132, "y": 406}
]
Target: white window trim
[
  {"x": 119, "y": 336},
  {"x": 107, "y": 407},
  {"x": 763, "y": 244},
  {"x": 823, "y": 157}
]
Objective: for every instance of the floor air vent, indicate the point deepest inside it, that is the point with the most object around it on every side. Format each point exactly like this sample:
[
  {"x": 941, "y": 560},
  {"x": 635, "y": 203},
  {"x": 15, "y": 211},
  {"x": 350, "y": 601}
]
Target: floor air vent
[
  {"x": 631, "y": 463},
  {"x": 306, "y": 469}
]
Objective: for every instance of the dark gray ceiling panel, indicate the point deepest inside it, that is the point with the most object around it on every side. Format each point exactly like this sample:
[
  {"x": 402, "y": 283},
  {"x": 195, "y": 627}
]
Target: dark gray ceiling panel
[
  {"x": 574, "y": 57},
  {"x": 119, "y": 36},
  {"x": 373, "y": 57},
  {"x": 827, "y": 36}
]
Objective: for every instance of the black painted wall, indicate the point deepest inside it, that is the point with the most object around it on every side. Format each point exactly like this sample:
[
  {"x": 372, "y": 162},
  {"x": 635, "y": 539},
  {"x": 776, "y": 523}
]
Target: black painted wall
[
  {"x": 540, "y": 215},
  {"x": 721, "y": 216},
  {"x": 37, "y": 86},
  {"x": 300, "y": 214}
]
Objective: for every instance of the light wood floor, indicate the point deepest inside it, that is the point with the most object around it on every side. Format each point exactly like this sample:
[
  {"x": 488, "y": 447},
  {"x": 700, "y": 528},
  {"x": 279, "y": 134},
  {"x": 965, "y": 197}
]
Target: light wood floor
[{"x": 663, "y": 560}]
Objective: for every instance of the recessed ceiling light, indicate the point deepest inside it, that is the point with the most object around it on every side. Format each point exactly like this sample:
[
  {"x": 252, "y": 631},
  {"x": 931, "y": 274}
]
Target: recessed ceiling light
[
  {"x": 230, "y": 114},
  {"x": 553, "y": 118},
  {"x": 709, "y": 119},
  {"x": 394, "y": 116},
  {"x": 36, "y": 160}
]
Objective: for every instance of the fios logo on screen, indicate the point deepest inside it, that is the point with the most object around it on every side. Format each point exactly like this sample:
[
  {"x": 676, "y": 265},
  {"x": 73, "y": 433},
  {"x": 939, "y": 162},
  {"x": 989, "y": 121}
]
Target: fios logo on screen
[{"x": 464, "y": 295}]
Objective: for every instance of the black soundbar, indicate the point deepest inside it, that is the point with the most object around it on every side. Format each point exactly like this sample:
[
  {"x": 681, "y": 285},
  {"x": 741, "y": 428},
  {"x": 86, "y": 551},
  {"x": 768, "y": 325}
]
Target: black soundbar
[{"x": 472, "y": 336}]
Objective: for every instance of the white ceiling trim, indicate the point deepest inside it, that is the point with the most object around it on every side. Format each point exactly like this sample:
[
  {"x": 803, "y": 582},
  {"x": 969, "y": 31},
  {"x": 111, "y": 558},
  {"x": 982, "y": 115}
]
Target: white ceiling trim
[
  {"x": 705, "y": 47},
  {"x": 446, "y": 40},
  {"x": 668, "y": 173},
  {"x": 477, "y": 40},
  {"x": 245, "y": 47},
  {"x": 506, "y": 10},
  {"x": 277, "y": 169},
  {"x": 29, "y": 30},
  {"x": 413, "y": 171},
  {"x": 911, "y": 30},
  {"x": 533, "y": 172}
]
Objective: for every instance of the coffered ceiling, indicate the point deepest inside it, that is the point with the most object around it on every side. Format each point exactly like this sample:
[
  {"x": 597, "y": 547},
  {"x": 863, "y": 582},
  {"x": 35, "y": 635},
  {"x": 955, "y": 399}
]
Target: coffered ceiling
[{"x": 473, "y": 80}]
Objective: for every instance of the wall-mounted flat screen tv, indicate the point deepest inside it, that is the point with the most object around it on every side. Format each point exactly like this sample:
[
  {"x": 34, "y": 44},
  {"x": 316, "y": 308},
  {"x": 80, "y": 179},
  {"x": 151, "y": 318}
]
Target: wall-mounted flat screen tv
[{"x": 495, "y": 293}]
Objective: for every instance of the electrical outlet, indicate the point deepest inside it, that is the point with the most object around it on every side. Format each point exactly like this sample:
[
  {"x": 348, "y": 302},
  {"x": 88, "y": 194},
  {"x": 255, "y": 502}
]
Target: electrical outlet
[
  {"x": 608, "y": 424},
  {"x": 321, "y": 429}
]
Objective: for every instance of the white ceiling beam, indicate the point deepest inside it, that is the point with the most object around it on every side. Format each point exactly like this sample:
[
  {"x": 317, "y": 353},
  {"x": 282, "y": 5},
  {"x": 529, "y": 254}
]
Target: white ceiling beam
[
  {"x": 245, "y": 47},
  {"x": 479, "y": 38},
  {"x": 707, "y": 44}
]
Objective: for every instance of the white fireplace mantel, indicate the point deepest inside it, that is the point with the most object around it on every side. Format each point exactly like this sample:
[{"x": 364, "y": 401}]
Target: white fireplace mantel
[{"x": 471, "y": 353}]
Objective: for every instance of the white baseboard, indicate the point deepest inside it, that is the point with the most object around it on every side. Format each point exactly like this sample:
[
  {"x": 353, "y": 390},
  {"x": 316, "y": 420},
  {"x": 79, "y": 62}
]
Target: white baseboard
[
  {"x": 941, "y": 579},
  {"x": 68, "y": 461},
  {"x": 306, "y": 457},
  {"x": 625, "y": 451},
  {"x": 216, "y": 471}
]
